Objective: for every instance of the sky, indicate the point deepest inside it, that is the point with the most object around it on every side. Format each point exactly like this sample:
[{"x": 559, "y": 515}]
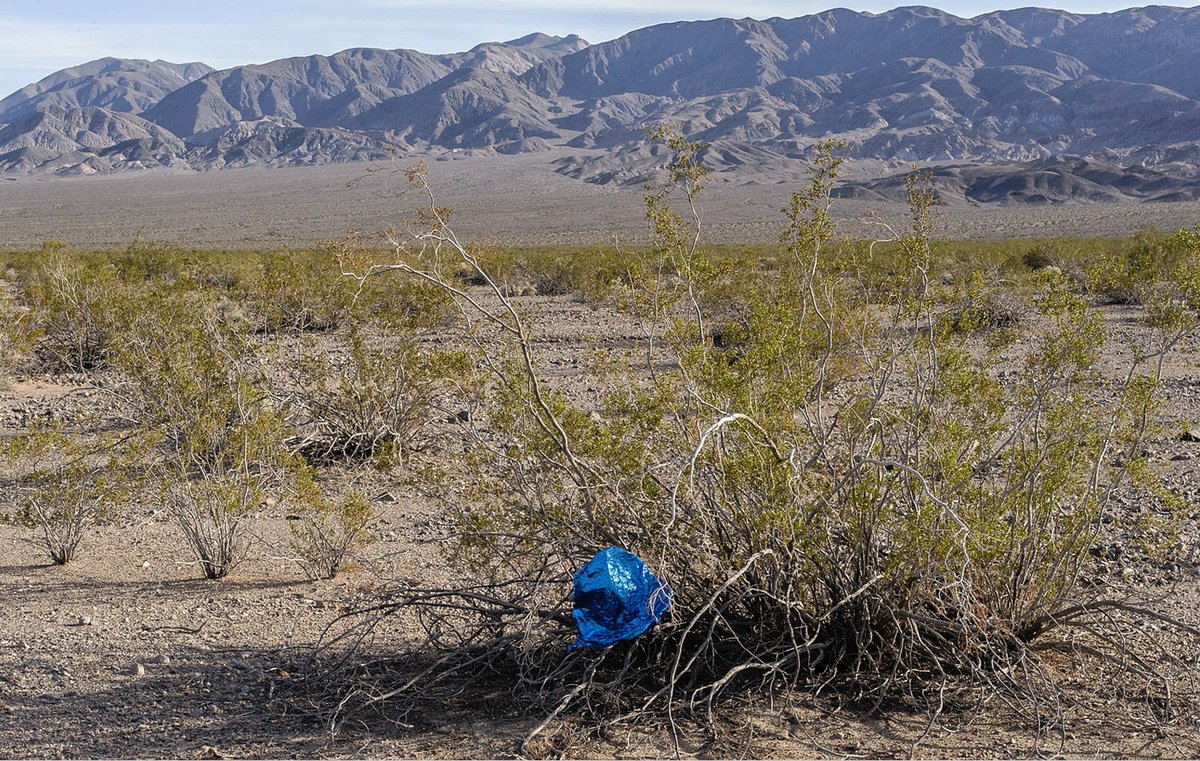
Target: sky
[{"x": 38, "y": 37}]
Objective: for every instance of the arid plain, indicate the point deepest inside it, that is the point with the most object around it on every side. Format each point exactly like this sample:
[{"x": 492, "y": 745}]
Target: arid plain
[{"x": 513, "y": 200}]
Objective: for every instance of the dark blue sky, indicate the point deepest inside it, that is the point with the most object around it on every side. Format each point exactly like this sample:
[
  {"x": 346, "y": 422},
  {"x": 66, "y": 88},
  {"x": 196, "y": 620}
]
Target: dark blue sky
[{"x": 37, "y": 38}]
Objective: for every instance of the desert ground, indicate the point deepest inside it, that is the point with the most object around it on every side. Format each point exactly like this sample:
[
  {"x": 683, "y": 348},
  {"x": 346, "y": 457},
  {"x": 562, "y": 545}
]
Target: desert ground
[
  {"x": 513, "y": 200},
  {"x": 127, "y": 652}
]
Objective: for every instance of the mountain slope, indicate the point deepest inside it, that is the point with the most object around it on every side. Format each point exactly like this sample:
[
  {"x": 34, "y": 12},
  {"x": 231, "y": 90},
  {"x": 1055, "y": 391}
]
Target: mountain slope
[
  {"x": 85, "y": 139},
  {"x": 471, "y": 107},
  {"x": 120, "y": 85},
  {"x": 1054, "y": 181},
  {"x": 301, "y": 89}
]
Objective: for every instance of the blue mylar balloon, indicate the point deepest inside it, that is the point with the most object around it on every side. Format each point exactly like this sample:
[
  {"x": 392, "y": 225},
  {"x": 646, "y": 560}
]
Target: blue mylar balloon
[{"x": 616, "y": 598}]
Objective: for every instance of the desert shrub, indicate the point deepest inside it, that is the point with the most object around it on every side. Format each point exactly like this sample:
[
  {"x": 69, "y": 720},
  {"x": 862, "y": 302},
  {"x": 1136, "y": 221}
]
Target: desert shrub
[
  {"x": 189, "y": 377},
  {"x": 1039, "y": 257},
  {"x": 973, "y": 306},
  {"x": 17, "y": 337},
  {"x": 1062, "y": 253},
  {"x": 159, "y": 264},
  {"x": 1186, "y": 241},
  {"x": 73, "y": 307},
  {"x": 211, "y": 492},
  {"x": 1184, "y": 276},
  {"x": 64, "y": 484},
  {"x": 196, "y": 392},
  {"x": 1132, "y": 272},
  {"x": 325, "y": 532},
  {"x": 295, "y": 292},
  {"x": 406, "y": 306},
  {"x": 856, "y": 506},
  {"x": 144, "y": 260},
  {"x": 373, "y": 401},
  {"x": 209, "y": 512},
  {"x": 591, "y": 275}
]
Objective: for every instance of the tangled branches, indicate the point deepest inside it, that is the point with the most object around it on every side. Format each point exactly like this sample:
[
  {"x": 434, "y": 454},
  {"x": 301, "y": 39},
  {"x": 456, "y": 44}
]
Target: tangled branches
[{"x": 851, "y": 503}]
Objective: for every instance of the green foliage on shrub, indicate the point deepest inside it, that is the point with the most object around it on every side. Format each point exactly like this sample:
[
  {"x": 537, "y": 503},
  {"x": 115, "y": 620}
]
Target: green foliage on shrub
[
  {"x": 371, "y": 400},
  {"x": 325, "y": 532},
  {"x": 64, "y": 484},
  {"x": 17, "y": 337},
  {"x": 839, "y": 489},
  {"x": 1134, "y": 273},
  {"x": 73, "y": 309},
  {"x": 195, "y": 390},
  {"x": 295, "y": 293},
  {"x": 193, "y": 381}
]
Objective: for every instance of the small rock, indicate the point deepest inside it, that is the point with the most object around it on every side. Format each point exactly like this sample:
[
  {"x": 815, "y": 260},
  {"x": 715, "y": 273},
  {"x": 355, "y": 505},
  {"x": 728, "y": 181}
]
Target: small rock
[
  {"x": 162, "y": 660},
  {"x": 137, "y": 669},
  {"x": 386, "y": 496},
  {"x": 145, "y": 564},
  {"x": 81, "y": 621},
  {"x": 1190, "y": 437}
]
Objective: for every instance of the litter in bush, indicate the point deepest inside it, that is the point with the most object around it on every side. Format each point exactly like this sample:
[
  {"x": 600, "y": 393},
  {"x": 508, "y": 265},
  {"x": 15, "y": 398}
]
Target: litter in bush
[{"x": 617, "y": 598}]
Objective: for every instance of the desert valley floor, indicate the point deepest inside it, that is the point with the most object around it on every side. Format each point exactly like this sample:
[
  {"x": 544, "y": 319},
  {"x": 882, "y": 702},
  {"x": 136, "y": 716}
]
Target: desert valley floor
[{"x": 513, "y": 200}]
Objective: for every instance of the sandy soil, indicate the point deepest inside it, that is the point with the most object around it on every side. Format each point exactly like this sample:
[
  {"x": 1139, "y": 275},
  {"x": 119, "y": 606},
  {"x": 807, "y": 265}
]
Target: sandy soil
[
  {"x": 125, "y": 652},
  {"x": 517, "y": 200}
]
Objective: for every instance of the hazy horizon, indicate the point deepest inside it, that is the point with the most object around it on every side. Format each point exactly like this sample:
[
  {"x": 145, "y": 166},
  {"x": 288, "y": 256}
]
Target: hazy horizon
[{"x": 37, "y": 40}]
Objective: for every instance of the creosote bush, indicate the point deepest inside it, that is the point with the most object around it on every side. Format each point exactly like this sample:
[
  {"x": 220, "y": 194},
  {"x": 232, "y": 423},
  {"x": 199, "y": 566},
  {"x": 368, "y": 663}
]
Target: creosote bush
[
  {"x": 73, "y": 308},
  {"x": 300, "y": 293},
  {"x": 191, "y": 378},
  {"x": 196, "y": 392},
  {"x": 217, "y": 406},
  {"x": 63, "y": 484},
  {"x": 373, "y": 402},
  {"x": 851, "y": 504},
  {"x": 16, "y": 338},
  {"x": 1141, "y": 269},
  {"x": 326, "y": 532}
]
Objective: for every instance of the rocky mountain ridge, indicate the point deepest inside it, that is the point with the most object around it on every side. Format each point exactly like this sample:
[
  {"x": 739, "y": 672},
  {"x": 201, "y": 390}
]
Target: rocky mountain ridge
[{"x": 1024, "y": 89}]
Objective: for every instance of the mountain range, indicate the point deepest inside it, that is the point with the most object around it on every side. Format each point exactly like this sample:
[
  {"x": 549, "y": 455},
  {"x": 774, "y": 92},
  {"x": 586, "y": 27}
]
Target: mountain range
[{"x": 1036, "y": 92}]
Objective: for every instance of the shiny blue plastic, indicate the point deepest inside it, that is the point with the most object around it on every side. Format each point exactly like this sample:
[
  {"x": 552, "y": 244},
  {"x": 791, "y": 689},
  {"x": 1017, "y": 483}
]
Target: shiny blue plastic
[{"x": 616, "y": 598}]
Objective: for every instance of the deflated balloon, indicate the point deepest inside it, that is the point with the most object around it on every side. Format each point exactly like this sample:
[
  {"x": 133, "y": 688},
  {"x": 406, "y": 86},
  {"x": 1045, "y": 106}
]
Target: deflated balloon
[{"x": 616, "y": 598}]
